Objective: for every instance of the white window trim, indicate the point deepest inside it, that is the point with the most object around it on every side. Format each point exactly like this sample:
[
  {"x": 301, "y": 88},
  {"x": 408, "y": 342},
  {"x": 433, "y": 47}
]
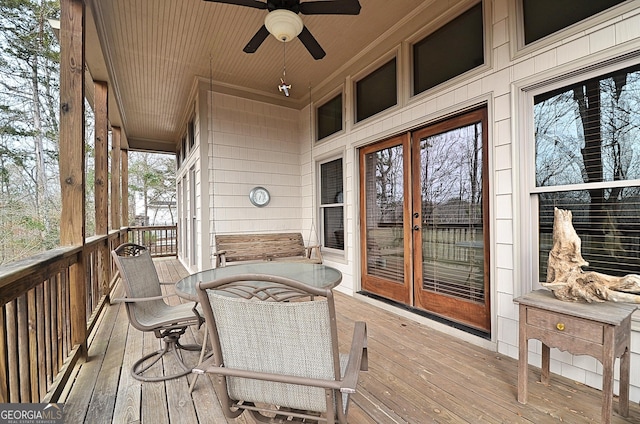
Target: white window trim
[
  {"x": 341, "y": 254},
  {"x": 525, "y": 217},
  {"x": 516, "y": 28}
]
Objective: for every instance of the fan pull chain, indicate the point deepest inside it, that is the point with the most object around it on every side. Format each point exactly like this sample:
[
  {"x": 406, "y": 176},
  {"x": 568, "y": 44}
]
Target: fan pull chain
[{"x": 283, "y": 87}]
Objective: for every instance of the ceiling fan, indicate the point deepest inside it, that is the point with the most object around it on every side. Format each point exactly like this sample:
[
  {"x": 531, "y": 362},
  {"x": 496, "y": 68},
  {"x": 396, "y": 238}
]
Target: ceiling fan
[{"x": 284, "y": 22}]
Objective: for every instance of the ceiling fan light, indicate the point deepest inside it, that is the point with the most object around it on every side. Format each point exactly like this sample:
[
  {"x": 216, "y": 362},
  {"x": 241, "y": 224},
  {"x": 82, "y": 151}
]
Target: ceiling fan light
[{"x": 283, "y": 24}]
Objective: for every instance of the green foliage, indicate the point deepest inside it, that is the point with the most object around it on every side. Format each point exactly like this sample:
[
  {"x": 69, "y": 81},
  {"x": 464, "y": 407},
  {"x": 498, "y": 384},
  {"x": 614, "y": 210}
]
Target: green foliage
[
  {"x": 31, "y": 223},
  {"x": 29, "y": 102},
  {"x": 152, "y": 182}
]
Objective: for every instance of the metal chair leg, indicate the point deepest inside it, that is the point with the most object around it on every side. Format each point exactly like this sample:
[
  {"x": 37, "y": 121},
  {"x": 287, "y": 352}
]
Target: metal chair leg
[
  {"x": 170, "y": 344},
  {"x": 202, "y": 351}
]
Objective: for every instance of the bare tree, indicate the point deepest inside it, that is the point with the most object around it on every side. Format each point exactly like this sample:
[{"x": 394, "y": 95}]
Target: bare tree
[
  {"x": 152, "y": 182},
  {"x": 28, "y": 126}
]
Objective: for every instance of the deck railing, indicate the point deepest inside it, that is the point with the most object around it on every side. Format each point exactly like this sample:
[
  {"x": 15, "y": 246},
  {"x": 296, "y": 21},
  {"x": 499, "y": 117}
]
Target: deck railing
[
  {"x": 37, "y": 353},
  {"x": 160, "y": 240}
]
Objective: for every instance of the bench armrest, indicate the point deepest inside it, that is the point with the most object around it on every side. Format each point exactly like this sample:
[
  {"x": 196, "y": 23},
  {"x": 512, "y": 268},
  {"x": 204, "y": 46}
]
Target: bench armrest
[
  {"x": 221, "y": 259},
  {"x": 309, "y": 252}
]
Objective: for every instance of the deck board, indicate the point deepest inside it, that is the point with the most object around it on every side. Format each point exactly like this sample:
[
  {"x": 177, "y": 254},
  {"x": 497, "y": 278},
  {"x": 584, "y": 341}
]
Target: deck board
[{"x": 416, "y": 375}]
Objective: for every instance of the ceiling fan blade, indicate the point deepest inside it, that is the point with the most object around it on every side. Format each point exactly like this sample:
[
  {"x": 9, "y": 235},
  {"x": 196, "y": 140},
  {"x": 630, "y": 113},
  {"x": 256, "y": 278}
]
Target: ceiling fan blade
[
  {"x": 248, "y": 3},
  {"x": 311, "y": 44},
  {"x": 336, "y": 7},
  {"x": 257, "y": 39}
]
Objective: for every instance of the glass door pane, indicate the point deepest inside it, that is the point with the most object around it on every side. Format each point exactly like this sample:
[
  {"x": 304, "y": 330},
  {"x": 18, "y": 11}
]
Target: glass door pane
[
  {"x": 384, "y": 237},
  {"x": 451, "y": 193},
  {"x": 451, "y": 221}
]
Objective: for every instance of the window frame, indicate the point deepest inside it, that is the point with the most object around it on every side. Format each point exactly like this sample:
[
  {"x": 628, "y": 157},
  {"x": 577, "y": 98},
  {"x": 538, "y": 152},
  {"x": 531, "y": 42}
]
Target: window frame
[
  {"x": 452, "y": 16},
  {"x": 528, "y": 217},
  {"x": 321, "y": 206},
  {"x": 516, "y": 27},
  {"x": 524, "y": 26},
  {"x": 378, "y": 64},
  {"x": 191, "y": 133},
  {"x": 325, "y": 100}
]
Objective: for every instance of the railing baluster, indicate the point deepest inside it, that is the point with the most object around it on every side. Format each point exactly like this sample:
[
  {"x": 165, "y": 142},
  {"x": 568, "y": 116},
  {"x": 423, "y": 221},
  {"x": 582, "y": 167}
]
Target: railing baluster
[
  {"x": 33, "y": 344},
  {"x": 36, "y": 338},
  {"x": 23, "y": 349},
  {"x": 40, "y": 333},
  {"x": 54, "y": 326},
  {"x": 47, "y": 332},
  {"x": 4, "y": 369},
  {"x": 12, "y": 352}
]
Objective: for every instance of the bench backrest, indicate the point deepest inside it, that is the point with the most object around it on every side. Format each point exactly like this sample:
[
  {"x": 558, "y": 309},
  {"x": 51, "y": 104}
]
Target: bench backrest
[{"x": 247, "y": 247}]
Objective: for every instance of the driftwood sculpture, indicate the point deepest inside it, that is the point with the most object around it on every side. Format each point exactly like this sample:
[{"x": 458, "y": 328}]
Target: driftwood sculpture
[{"x": 569, "y": 282}]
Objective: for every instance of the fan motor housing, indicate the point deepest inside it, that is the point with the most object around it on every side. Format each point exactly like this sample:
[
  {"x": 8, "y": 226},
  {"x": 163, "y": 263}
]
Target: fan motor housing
[{"x": 283, "y": 24}]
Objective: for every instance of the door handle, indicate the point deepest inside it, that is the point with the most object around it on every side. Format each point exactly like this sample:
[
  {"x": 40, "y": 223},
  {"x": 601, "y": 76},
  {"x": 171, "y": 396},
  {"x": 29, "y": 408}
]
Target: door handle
[{"x": 416, "y": 228}]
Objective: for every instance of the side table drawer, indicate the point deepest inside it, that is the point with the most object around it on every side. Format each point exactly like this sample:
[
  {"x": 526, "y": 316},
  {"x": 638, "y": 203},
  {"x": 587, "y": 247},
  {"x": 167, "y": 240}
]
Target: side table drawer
[{"x": 566, "y": 325}]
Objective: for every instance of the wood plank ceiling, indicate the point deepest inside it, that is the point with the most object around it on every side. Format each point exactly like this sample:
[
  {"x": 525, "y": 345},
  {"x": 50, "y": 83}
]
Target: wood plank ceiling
[{"x": 154, "y": 51}]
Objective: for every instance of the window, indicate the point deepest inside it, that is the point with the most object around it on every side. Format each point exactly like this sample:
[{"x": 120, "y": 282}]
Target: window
[
  {"x": 329, "y": 117},
  {"x": 587, "y": 160},
  {"x": 332, "y": 204},
  {"x": 544, "y": 17},
  {"x": 450, "y": 51},
  {"x": 191, "y": 134},
  {"x": 377, "y": 91}
]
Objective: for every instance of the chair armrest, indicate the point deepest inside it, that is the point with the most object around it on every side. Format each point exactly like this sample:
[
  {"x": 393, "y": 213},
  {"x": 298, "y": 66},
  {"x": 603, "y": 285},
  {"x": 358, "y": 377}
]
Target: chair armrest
[
  {"x": 208, "y": 366},
  {"x": 358, "y": 358},
  {"x": 140, "y": 299}
]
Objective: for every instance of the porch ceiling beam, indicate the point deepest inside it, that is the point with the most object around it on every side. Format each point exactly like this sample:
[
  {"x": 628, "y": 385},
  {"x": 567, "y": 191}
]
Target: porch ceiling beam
[{"x": 158, "y": 146}]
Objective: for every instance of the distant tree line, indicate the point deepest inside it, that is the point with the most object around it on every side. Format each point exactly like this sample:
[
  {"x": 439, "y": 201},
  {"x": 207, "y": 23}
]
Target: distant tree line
[{"x": 30, "y": 200}]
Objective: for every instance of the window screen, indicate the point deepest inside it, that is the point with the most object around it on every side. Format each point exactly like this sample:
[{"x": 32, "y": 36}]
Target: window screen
[
  {"x": 450, "y": 51},
  {"x": 332, "y": 204},
  {"x": 330, "y": 117},
  {"x": 191, "y": 134},
  {"x": 544, "y": 17},
  {"x": 377, "y": 91}
]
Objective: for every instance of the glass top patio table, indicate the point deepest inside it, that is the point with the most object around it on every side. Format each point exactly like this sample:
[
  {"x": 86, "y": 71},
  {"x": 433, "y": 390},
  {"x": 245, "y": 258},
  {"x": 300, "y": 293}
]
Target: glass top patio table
[{"x": 316, "y": 275}]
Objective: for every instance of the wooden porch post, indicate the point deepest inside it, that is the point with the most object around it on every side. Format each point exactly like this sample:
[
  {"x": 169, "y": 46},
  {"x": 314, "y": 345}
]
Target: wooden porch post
[
  {"x": 101, "y": 189},
  {"x": 101, "y": 161},
  {"x": 115, "y": 178},
  {"x": 72, "y": 160},
  {"x": 125, "y": 187}
]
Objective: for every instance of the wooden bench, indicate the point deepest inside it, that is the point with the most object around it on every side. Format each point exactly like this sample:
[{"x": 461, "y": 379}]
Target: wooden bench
[{"x": 264, "y": 247}]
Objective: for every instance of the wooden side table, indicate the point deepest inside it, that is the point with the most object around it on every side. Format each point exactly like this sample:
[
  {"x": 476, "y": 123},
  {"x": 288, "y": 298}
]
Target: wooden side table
[{"x": 601, "y": 330}]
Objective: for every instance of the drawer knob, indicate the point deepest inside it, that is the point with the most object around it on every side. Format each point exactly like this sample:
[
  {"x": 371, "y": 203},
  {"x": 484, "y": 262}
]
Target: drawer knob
[{"x": 560, "y": 326}]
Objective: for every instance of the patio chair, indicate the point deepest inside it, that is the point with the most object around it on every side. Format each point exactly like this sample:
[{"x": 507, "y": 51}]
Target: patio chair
[
  {"x": 147, "y": 310},
  {"x": 275, "y": 350}
]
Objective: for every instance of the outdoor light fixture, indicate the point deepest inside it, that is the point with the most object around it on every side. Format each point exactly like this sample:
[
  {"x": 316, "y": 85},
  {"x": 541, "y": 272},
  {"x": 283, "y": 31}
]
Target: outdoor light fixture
[{"x": 283, "y": 24}]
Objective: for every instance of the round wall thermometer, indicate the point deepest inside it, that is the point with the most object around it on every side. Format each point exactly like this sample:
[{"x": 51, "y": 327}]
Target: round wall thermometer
[{"x": 259, "y": 196}]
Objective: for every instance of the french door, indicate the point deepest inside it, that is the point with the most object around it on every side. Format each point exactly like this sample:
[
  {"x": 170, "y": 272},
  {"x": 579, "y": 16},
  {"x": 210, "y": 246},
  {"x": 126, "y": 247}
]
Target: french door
[
  {"x": 385, "y": 231},
  {"x": 424, "y": 220}
]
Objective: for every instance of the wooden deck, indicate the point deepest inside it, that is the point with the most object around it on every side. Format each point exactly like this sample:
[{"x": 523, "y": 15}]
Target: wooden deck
[{"x": 416, "y": 375}]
